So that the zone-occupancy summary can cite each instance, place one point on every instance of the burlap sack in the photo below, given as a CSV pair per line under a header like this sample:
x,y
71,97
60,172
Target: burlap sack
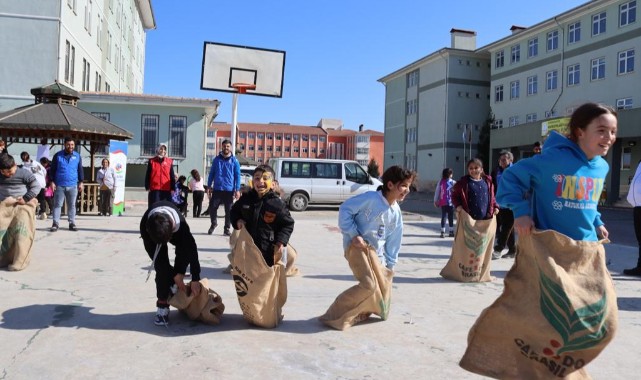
x,y
557,312
17,230
261,290
471,250
291,269
207,307
372,295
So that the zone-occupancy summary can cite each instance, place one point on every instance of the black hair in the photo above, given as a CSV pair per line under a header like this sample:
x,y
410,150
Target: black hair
x,y
225,141
396,174
182,179
44,160
6,161
264,169
68,138
24,156
160,227
195,175
447,172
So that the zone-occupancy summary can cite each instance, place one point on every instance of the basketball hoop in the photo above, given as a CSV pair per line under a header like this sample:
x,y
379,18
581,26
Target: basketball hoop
x,y
243,87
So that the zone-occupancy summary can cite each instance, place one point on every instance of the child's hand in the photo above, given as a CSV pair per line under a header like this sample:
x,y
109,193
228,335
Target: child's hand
x,y
178,280
240,224
436,204
358,242
602,232
523,225
195,287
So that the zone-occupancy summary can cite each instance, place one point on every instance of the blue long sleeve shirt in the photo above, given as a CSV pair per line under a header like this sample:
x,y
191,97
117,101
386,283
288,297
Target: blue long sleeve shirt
x,y
380,224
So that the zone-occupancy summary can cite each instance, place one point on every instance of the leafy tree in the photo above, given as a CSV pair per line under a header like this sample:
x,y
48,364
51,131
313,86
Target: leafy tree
x,y
483,147
373,169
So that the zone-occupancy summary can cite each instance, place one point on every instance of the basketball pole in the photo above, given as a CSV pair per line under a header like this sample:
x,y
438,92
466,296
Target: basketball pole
x,y
234,125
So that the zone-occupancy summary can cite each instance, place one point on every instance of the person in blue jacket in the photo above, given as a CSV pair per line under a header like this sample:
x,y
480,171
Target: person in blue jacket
x,y
560,188
223,185
66,180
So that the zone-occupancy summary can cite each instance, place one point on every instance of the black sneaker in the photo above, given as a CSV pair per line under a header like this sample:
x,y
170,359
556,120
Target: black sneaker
x,y
72,227
227,233
54,227
162,317
211,229
451,233
442,234
632,271
509,255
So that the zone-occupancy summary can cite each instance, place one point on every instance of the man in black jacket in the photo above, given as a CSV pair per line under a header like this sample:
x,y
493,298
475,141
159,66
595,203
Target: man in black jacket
x,y
163,223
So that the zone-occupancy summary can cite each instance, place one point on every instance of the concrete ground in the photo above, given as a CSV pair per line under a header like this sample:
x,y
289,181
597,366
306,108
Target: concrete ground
x,y
82,309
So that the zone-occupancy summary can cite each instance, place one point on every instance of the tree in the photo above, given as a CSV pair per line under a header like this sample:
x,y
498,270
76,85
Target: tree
x,y
483,147
373,169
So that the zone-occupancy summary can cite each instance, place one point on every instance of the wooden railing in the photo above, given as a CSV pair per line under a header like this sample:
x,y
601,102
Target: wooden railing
x,y
88,200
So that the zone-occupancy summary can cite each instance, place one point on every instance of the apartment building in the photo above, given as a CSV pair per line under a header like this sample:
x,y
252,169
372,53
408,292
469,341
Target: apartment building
x,y
435,108
540,74
87,45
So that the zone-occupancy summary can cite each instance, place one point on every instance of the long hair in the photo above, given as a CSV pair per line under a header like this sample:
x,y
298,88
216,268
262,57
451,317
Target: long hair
x,y
195,175
396,174
584,115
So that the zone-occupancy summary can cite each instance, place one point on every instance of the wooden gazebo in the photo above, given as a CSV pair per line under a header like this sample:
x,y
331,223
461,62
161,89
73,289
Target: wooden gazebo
x,y
53,117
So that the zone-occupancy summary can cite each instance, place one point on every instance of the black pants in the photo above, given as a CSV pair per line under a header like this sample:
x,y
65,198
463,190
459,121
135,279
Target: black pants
x,y
164,273
105,202
636,213
505,230
198,196
157,195
218,197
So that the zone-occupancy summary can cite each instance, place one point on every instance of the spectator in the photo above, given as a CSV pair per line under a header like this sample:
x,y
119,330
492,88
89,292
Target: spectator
x,y
46,163
179,196
106,179
443,199
67,176
160,179
197,188
505,217
224,185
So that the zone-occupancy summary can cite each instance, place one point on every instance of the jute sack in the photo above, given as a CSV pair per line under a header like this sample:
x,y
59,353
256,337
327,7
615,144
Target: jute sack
x,y
291,270
557,312
372,295
17,230
471,250
207,307
261,290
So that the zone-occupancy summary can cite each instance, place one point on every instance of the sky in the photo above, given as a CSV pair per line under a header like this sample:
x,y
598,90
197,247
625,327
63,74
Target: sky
x,y
336,51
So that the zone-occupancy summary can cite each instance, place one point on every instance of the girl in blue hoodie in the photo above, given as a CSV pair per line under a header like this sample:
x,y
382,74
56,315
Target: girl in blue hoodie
x,y
560,188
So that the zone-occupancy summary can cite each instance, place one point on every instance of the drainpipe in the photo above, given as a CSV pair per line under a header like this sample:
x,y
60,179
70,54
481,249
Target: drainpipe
x,y
562,43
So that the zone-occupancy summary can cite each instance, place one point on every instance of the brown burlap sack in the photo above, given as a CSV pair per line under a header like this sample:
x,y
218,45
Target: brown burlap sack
x,y
207,307
557,312
291,269
372,295
471,250
17,230
261,290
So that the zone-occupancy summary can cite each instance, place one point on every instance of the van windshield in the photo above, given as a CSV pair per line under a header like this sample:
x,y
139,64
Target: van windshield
x,y
355,173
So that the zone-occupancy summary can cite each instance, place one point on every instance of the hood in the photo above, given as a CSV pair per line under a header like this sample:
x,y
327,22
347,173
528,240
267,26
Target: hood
x,y
557,142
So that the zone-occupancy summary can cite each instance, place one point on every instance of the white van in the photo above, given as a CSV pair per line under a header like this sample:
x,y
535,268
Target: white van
x,y
310,180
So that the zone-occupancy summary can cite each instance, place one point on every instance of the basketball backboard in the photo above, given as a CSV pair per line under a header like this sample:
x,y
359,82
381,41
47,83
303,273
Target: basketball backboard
x,y
225,65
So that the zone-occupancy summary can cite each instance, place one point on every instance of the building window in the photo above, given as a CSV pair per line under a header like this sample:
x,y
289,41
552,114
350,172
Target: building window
x,y
514,89
574,32
102,115
86,74
532,85
626,61
514,121
260,136
67,59
530,118
533,47
515,54
412,79
287,149
598,69
177,136
99,33
498,93
278,148
260,147
574,74
296,149
251,135
410,136
314,138
88,9
242,135
279,136
321,139
598,23
304,150
304,137
270,136
210,134
551,80
553,40
313,150
269,148
96,86
107,87
149,135
296,137
500,59
288,137
626,159
627,13
411,107
624,104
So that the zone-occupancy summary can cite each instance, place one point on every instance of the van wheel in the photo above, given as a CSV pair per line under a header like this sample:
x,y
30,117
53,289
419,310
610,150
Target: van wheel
x,y
298,202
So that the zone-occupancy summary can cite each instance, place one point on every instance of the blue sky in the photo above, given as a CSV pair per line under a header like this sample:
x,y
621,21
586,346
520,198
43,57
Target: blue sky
x,y
335,50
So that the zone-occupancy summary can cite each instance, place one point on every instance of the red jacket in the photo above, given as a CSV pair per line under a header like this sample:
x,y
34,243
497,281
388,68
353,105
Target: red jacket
x,y
160,174
459,195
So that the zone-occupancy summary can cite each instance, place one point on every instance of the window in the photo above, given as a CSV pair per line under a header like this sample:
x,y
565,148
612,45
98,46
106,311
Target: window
x,y
411,107
533,47
287,149
149,135
313,150
574,74
327,170
498,123
304,137
498,93
88,9
99,33
260,136
288,137
551,79
242,135
321,139
102,115
269,148
530,118
598,24
251,135
553,40
278,148
598,69
177,136
624,104
279,136
210,134
515,55
86,74
412,79
305,150
260,147
109,42
296,169
295,149
296,137
626,61
72,65
514,89
314,138
67,59
532,85
270,136
251,147
626,159
355,173
107,87
410,136
574,32
627,13
500,59
514,121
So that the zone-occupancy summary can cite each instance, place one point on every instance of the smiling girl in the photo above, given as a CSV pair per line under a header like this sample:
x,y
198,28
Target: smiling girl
x,y
474,192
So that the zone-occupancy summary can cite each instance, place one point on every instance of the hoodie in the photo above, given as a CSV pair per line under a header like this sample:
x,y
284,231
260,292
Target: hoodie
x,y
559,189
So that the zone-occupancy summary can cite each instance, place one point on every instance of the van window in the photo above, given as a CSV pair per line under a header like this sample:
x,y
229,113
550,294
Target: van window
x,y
327,170
296,169
355,173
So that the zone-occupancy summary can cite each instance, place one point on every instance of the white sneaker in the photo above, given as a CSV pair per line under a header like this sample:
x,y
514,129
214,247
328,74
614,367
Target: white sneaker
x,y
162,316
496,255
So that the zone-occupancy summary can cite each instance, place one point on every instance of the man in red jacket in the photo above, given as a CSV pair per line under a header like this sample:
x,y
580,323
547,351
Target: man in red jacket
x,y
160,179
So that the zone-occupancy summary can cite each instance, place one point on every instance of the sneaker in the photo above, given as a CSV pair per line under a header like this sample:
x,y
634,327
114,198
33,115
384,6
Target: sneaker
x,y
442,234
632,271
227,233
54,227
228,269
496,255
211,229
42,216
451,233
72,227
509,255
162,316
